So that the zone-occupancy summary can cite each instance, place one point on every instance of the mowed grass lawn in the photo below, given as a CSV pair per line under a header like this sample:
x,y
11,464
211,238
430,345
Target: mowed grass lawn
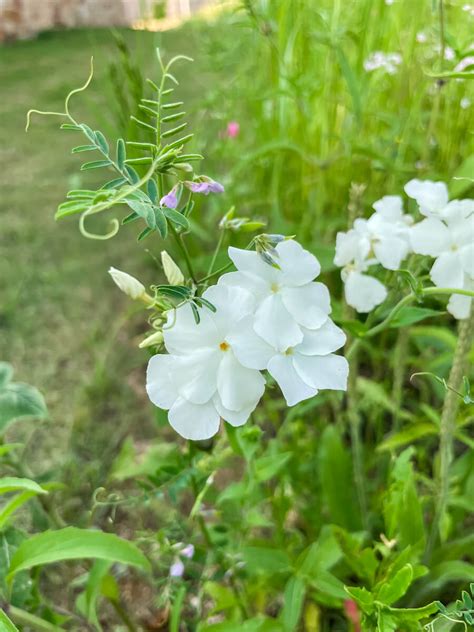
x,y
63,324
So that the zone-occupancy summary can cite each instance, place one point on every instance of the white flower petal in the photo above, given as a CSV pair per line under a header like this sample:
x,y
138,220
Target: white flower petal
x,y
390,251
447,270
250,262
347,247
458,210
160,385
276,325
249,348
466,256
255,285
460,306
233,417
294,389
430,237
194,421
297,265
432,197
390,207
323,372
308,304
238,387
231,303
363,292
183,335
328,338
196,375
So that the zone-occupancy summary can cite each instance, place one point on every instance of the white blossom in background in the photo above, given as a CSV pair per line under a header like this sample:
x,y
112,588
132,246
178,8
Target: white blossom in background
x,y
465,63
382,239
469,9
421,37
386,61
448,235
465,103
201,379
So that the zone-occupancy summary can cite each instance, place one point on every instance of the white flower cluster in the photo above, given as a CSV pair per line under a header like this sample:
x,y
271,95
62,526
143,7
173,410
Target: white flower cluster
x,y
386,61
389,235
382,239
267,317
447,234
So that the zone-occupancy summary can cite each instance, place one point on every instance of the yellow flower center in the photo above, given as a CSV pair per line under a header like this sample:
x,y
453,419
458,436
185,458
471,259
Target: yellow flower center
x,y
224,346
275,287
289,351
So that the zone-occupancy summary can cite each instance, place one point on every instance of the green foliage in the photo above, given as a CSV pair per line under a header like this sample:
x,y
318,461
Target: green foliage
x,y
18,400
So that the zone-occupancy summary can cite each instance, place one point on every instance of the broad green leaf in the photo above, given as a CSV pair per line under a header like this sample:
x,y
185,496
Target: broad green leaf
x,y
337,480
72,543
414,614
13,484
6,373
409,315
362,597
266,560
408,436
177,218
6,625
9,508
268,466
293,599
396,586
322,554
18,400
327,584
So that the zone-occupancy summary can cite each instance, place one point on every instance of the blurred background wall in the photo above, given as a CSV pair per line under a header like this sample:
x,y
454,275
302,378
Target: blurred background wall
x,y
21,19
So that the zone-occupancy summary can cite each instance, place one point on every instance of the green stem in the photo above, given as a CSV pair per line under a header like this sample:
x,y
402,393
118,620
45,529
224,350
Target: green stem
x,y
410,298
216,273
214,256
123,615
399,364
184,251
448,425
31,621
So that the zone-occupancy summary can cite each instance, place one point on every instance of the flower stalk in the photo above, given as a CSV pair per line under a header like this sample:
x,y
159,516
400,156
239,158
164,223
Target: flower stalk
x,y
448,424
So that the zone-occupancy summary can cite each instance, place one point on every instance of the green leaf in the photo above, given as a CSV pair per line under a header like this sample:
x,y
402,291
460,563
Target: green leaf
x,y
72,543
327,584
9,508
337,480
293,599
176,217
95,164
362,597
176,610
160,221
265,560
397,586
462,180
152,190
414,614
102,142
409,315
93,591
5,624
81,148
13,484
408,436
145,232
18,400
6,373
268,466
121,153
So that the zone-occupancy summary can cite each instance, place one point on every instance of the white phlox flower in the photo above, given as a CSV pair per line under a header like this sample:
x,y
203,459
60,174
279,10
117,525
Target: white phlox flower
x,y
386,61
448,235
382,239
431,197
201,380
300,371
274,318
287,299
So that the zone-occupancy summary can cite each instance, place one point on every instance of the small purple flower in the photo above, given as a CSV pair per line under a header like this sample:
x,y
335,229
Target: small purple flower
x,y
188,551
170,199
177,568
204,185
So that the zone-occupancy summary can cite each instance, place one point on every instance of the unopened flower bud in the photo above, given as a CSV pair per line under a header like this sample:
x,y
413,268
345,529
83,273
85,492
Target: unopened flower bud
x,y
172,272
127,283
152,340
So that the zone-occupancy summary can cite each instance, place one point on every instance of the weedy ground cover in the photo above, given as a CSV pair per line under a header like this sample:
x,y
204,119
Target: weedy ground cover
x,y
327,510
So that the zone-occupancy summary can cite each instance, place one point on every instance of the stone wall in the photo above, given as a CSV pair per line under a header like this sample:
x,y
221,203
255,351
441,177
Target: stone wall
x,y
25,18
